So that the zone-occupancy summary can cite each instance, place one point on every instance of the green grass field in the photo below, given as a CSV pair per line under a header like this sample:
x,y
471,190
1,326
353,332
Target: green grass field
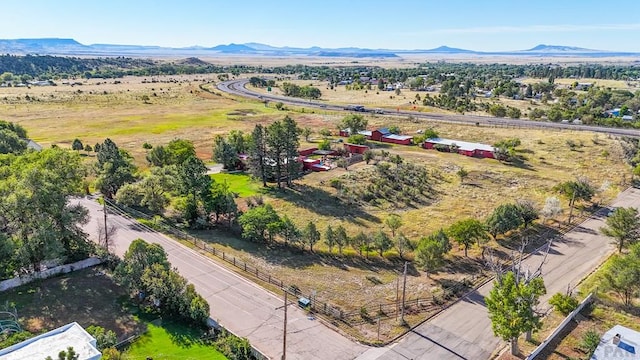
x,y
240,183
171,341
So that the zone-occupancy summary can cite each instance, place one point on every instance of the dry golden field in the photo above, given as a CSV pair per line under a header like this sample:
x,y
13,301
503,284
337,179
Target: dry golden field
x,y
134,111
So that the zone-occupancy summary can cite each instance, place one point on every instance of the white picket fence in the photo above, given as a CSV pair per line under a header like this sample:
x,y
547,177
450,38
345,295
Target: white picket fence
x,y
44,274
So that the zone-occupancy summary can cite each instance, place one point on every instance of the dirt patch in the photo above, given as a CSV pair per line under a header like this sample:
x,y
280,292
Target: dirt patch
x,y
89,297
242,112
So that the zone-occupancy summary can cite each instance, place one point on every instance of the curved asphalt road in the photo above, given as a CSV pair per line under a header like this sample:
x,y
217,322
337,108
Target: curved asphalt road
x,y
238,87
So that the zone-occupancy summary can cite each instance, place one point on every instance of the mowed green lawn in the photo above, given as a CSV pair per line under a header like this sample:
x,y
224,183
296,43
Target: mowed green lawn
x,y
171,341
240,183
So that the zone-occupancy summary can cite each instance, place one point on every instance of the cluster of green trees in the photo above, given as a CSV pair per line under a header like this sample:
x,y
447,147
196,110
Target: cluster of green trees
x,y
226,151
176,177
12,138
147,274
483,75
622,275
590,106
506,150
511,304
273,152
260,82
25,68
262,224
391,181
499,110
37,223
508,217
306,91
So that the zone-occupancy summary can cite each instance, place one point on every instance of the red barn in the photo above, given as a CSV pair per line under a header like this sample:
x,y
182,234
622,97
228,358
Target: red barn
x,y
376,135
355,148
397,139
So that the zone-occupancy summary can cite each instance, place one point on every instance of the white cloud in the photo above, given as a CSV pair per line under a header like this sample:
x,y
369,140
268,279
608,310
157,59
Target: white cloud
x,y
537,29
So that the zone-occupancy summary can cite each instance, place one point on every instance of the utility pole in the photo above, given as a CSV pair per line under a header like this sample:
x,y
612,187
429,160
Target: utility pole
x,y
106,232
397,296
404,288
284,333
573,200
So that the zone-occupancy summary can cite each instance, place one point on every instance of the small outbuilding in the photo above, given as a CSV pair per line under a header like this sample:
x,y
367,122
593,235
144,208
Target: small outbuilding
x,y
355,148
304,302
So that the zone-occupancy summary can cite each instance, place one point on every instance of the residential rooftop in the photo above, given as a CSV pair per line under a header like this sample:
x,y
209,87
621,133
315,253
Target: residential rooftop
x,y
52,343
619,343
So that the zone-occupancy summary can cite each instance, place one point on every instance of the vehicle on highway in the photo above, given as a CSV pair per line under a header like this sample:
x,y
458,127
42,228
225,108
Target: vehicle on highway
x,y
359,108
378,111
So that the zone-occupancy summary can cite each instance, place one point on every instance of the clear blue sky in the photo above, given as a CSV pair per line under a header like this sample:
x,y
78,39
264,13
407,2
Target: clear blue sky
x,y
393,24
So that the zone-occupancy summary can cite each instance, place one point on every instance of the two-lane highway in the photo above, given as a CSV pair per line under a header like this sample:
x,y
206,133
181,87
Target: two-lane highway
x,y
236,303
238,87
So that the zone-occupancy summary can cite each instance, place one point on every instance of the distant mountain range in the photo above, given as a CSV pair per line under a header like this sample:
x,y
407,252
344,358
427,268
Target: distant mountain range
x,y
70,47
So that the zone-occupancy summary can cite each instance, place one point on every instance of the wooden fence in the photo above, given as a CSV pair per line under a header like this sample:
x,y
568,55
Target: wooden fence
x,y
318,306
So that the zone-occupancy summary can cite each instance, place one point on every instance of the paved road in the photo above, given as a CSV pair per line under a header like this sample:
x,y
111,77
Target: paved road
x,y
464,331
237,304
238,87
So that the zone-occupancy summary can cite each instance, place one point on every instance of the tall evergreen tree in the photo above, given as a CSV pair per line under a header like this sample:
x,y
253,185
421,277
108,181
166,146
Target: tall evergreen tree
x,y
195,184
277,149
291,145
258,153
114,167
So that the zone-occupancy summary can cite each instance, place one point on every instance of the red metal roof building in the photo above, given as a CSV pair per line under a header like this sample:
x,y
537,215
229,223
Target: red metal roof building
x,y
463,147
398,139
355,148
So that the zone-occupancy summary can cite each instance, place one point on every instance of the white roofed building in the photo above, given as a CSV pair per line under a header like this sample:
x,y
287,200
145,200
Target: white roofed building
x,y
52,343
